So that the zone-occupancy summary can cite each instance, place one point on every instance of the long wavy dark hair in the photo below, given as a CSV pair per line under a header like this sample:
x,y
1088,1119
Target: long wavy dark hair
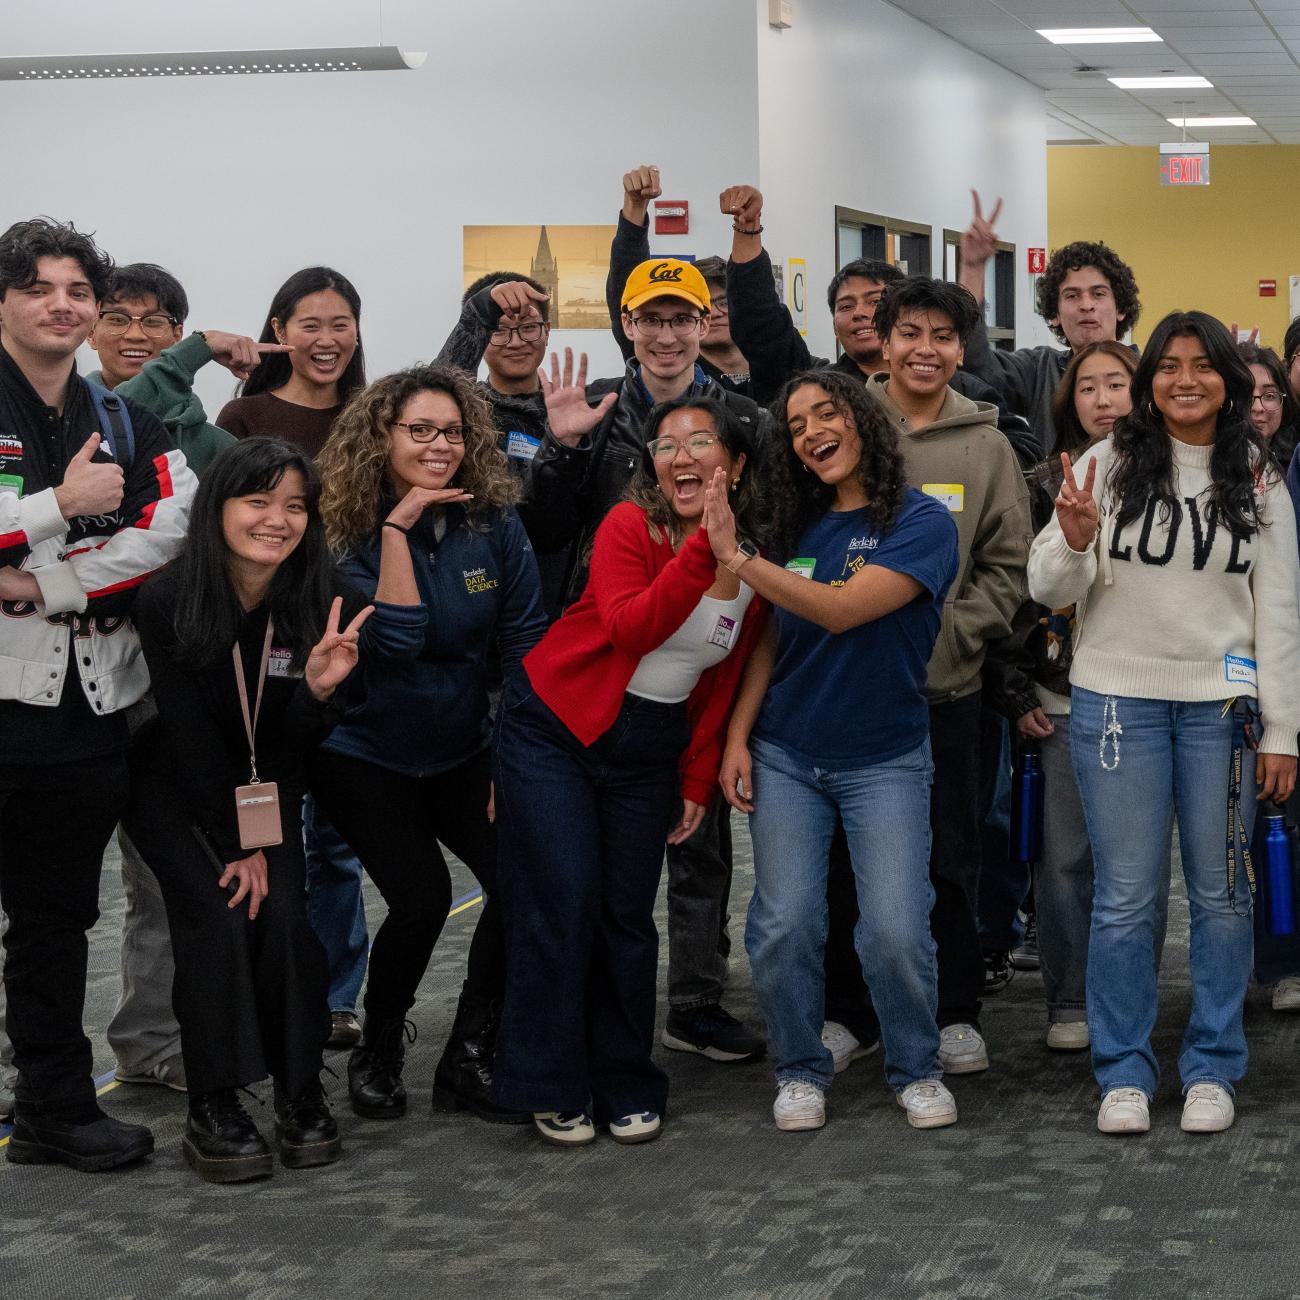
x,y
644,489
274,369
1282,444
794,496
208,612
1143,464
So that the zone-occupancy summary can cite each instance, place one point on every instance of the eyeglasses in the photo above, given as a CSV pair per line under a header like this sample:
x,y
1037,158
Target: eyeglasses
x,y
1270,399
682,326
157,324
421,431
529,332
718,303
667,448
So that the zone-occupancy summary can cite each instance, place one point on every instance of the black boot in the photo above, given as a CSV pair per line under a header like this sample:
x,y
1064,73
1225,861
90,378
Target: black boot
x,y
463,1079
221,1143
375,1069
305,1131
90,1144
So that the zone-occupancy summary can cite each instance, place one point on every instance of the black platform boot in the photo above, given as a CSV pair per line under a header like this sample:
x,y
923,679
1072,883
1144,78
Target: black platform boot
x,y
305,1131
375,1069
463,1079
221,1143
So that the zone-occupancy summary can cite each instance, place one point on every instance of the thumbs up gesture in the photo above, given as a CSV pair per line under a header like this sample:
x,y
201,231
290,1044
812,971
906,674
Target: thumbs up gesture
x,y
90,487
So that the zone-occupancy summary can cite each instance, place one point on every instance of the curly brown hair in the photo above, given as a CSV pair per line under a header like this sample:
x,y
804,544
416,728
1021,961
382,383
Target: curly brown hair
x,y
354,462
794,496
1074,257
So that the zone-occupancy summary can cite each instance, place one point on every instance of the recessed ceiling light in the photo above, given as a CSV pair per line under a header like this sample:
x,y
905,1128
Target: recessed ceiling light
x,y
1098,35
1161,83
1210,121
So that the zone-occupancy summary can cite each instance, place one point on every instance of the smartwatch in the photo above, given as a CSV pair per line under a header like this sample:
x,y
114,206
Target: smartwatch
x,y
744,551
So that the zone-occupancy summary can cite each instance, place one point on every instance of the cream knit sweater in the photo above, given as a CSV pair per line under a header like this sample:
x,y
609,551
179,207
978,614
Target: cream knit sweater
x,y
1179,609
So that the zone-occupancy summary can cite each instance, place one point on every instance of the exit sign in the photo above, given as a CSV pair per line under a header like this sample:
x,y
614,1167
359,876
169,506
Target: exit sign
x,y
1187,163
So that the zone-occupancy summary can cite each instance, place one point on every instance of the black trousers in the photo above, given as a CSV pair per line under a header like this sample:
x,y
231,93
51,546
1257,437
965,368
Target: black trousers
x,y
954,874
394,824
55,822
251,997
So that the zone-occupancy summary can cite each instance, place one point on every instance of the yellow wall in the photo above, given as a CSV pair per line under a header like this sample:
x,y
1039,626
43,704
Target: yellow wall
x,y
1204,247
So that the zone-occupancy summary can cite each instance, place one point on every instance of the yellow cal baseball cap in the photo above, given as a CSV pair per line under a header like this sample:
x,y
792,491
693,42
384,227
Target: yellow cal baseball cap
x,y
665,277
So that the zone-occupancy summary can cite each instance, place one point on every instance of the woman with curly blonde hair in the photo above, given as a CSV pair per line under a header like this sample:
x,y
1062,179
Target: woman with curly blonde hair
x,y
417,501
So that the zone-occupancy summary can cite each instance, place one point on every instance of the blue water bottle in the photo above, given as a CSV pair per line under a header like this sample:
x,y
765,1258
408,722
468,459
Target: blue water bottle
x,y
1027,808
1277,879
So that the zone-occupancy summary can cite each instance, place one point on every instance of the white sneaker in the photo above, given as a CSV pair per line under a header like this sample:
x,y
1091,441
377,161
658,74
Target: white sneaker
x,y
1208,1109
565,1128
643,1126
844,1046
1067,1035
799,1106
1286,993
1124,1110
962,1050
928,1104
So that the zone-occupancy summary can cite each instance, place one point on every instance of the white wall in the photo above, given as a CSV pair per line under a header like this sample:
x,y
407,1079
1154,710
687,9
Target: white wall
x,y
863,106
524,112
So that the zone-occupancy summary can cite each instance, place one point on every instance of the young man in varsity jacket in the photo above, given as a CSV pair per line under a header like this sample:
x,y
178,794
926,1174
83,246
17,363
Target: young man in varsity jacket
x,y
86,514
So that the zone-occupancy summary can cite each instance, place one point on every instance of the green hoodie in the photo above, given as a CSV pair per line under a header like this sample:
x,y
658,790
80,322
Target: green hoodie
x,y
165,386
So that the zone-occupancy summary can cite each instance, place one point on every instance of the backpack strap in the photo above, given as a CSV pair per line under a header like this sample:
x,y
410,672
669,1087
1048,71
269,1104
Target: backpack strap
x,y
114,424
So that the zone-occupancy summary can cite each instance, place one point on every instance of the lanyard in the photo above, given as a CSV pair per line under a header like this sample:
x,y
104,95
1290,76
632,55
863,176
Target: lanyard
x,y
250,723
1237,836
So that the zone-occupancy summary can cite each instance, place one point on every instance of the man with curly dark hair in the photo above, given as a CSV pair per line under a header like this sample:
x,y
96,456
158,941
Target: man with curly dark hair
x,y
1086,294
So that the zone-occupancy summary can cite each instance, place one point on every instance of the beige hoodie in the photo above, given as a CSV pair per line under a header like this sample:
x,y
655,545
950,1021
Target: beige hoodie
x,y
964,460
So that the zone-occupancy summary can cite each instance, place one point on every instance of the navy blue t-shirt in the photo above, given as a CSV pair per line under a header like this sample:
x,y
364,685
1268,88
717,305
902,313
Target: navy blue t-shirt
x,y
852,699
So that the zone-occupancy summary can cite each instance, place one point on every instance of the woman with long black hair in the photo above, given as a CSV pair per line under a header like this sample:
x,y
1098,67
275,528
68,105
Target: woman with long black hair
x,y
832,724
1273,409
247,636
1177,540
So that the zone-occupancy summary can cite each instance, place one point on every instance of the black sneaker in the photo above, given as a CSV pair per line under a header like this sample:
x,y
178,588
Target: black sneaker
x,y
998,971
714,1033
1025,957
104,1143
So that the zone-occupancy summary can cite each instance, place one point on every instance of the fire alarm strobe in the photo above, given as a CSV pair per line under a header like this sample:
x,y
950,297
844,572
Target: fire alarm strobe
x,y
672,216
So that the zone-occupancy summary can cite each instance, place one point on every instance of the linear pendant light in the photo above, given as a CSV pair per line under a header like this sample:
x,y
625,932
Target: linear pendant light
x,y
209,63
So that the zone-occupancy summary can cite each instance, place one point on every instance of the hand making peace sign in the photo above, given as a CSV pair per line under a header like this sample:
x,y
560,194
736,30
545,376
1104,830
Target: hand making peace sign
x,y
335,655
1076,511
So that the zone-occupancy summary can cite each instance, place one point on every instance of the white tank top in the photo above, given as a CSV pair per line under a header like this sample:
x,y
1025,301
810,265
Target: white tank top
x,y
668,674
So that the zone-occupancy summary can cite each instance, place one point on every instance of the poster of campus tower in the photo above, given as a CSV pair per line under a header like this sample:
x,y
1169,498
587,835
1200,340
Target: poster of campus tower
x,y
570,261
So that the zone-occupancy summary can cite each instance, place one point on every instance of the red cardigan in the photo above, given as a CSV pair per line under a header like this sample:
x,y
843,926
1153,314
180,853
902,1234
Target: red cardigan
x,y
639,593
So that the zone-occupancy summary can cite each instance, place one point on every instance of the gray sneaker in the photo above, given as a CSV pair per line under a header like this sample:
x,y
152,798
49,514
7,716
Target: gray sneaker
x,y
166,1074
962,1050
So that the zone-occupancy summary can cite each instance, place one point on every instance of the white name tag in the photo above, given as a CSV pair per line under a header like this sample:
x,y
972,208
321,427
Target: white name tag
x,y
280,663
519,446
1236,668
724,632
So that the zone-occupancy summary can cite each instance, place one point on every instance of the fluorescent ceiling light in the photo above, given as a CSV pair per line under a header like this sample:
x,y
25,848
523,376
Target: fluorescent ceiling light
x,y
1161,83
209,63
1098,35
1210,121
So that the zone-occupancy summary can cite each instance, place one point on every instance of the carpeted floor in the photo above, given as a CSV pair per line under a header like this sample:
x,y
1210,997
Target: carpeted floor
x,y
1022,1198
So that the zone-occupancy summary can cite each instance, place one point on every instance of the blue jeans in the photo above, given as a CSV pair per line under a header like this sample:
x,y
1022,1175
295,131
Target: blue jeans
x,y
886,814
335,906
1173,760
581,833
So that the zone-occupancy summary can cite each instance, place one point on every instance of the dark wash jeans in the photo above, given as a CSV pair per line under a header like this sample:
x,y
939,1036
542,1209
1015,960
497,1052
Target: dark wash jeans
x,y
699,889
954,873
55,822
581,833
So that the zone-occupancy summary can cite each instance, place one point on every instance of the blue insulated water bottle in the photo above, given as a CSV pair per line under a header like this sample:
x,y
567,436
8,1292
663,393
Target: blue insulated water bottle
x,y
1277,885
1027,808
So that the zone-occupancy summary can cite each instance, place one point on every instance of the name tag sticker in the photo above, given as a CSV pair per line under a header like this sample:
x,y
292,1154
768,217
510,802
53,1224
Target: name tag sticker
x,y
519,446
1236,668
803,567
11,483
724,632
953,495
280,663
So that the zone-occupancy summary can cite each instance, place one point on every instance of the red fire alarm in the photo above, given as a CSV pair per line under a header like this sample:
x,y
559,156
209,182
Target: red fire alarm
x,y
1268,288
672,216
1037,260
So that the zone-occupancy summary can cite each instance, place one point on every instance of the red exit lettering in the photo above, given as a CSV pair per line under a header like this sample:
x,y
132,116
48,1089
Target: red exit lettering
x,y
1185,171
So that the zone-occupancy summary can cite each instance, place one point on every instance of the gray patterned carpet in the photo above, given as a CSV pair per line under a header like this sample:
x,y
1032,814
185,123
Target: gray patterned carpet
x,y
1022,1198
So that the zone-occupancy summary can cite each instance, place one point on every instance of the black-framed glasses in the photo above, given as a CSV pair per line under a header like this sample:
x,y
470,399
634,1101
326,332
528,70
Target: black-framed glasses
x,y
529,332
423,431
156,324
666,448
682,325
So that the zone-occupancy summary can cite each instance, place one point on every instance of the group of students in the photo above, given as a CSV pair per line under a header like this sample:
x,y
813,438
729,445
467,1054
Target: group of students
x,y
561,628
